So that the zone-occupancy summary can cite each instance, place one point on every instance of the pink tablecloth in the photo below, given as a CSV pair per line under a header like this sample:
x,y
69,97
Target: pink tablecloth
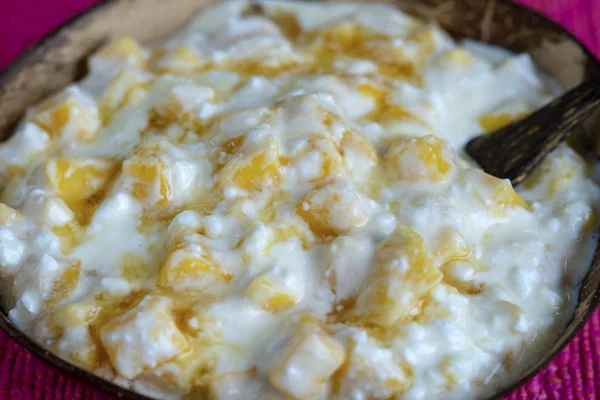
x,y
574,374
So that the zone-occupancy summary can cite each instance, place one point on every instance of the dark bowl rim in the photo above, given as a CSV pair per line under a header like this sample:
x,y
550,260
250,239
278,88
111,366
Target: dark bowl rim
x,y
55,36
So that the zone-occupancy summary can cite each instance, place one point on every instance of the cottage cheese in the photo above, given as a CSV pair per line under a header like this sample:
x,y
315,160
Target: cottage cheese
x,y
275,203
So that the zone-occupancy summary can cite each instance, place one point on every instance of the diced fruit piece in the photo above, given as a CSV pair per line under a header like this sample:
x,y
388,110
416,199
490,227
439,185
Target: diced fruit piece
x,y
458,57
425,37
162,173
359,156
496,194
8,215
177,376
332,163
333,210
190,265
143,338
71,115
123,50
276,290
85,352
505,197
75,179
47,210
151,177
404,274
182,60
306,363
287,22
425,158
494,121
234,386
354,145
558,173
178,103
73,322
44,281
319,159
65,284
76,314
383,110
349,261
183,227
12,249
294,230
253,168
24,147
450,245
125,88
461,274
380,377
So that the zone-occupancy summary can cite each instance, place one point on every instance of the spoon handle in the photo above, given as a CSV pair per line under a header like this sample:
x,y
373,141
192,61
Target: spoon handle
x,y
514,151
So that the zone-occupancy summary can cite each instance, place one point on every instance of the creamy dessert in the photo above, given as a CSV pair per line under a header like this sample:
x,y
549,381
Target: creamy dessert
x,y
275,204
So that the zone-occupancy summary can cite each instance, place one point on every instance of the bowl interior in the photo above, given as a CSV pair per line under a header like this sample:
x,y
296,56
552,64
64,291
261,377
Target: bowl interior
x,y
60,59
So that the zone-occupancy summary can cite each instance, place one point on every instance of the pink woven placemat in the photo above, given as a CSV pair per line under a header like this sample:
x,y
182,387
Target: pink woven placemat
x,y
574,374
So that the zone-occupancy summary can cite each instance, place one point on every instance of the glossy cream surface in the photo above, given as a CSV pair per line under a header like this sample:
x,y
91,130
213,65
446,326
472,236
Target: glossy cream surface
x,y
275,204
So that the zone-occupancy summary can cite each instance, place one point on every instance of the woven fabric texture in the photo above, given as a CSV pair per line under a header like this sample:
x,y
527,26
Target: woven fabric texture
x,y
574,373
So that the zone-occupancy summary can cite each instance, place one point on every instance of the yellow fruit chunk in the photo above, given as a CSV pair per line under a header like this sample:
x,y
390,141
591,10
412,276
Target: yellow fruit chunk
x,y
558,173
143,338
151,178
327,154
81,182
450,245
182,60
591,222
349,260
71,115
253,169
360,158
346,37
65,284
496,194
48,210
75,179
287,22
404,274
381,377
424,36
505,197
314,356
177,106
272,292
77,314
377,94
8,215
291,231
459,56
354,145
333,210
78,317
492,122
238,385
383,110
190,265
460,275
425,158
126,88
123,50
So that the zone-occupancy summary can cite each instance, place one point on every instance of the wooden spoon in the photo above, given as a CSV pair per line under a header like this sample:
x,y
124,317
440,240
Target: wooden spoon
x,y
515,150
